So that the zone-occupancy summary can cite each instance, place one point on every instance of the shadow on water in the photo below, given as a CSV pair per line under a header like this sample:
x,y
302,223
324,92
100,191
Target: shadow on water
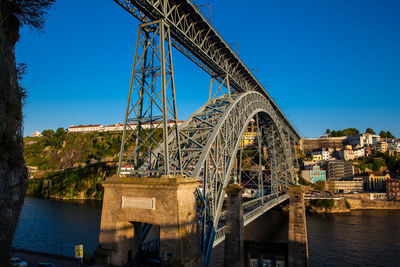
x,y
370,238
271,226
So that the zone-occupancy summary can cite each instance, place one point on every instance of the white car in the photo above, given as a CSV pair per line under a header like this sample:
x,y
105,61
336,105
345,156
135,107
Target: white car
x,y
17,262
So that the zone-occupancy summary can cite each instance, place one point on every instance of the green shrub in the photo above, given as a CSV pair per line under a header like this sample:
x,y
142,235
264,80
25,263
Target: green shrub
x,y
323,203
347,204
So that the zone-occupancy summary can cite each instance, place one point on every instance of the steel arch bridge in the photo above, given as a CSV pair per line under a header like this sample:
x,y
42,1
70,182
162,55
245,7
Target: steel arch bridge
x,y
214,145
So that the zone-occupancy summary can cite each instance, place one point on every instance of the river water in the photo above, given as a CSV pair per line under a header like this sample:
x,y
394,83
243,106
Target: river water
x,y
362,238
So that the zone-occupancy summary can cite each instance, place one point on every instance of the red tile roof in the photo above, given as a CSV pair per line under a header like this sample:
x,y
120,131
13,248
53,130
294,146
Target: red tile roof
x,y
85,126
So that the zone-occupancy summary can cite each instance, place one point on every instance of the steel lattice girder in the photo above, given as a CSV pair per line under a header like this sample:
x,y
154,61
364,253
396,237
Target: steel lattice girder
x,y
210,138
196,38
151,103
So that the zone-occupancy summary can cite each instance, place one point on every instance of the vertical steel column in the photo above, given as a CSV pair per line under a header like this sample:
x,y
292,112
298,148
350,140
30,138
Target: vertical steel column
x,y
240,161
141,92
260,175
123,141
164,97
274,165
153,109
295,153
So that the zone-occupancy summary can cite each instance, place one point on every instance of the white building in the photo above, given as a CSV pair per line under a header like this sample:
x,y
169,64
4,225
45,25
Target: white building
x,y
346,154
394,146
359,152
85,128
364,139
321,155
326,155
36,134
112,127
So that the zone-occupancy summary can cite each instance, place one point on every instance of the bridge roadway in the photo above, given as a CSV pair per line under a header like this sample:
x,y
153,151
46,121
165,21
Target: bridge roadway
x,y
196,38
252,210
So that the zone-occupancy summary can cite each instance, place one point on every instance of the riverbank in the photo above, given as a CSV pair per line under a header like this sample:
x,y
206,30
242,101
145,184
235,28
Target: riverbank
x,y
33,258
343,205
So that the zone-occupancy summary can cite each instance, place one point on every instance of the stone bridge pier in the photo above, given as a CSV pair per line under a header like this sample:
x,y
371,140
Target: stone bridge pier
x,y
168,202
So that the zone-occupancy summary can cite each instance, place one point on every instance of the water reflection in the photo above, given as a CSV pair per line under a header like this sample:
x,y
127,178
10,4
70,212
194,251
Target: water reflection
x,y
362,238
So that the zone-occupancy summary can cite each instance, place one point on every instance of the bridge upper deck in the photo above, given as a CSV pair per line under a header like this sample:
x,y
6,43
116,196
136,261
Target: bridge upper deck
x,y
196,38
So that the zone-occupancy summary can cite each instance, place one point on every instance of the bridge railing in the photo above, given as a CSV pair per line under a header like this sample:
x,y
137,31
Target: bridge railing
x,y
270,201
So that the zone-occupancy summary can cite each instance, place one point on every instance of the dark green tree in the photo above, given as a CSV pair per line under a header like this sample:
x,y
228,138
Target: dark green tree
x,y
370,131
13,173
345,132
48,133
389,135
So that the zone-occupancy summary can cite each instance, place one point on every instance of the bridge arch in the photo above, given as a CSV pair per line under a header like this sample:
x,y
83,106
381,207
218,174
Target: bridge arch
x,y
215,164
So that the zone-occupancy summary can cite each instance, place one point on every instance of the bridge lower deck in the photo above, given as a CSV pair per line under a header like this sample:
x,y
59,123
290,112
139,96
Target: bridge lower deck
x,y
252,210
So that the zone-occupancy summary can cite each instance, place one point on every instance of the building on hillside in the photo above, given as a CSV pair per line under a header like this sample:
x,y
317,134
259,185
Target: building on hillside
x,y
249,138
31,169
313,175
346,154
85,128
323,154
326,154
36,134
394,146
345,186
376,182
364,139
368,151
338,170
381,147
307,164
316,156
359,152
314,144
393,189
113,127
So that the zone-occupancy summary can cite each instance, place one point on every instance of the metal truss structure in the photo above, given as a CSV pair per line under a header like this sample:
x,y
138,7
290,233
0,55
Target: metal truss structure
x,y
208,145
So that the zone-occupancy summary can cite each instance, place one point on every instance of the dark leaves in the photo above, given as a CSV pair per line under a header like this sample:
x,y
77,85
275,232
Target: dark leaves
x,y
15,13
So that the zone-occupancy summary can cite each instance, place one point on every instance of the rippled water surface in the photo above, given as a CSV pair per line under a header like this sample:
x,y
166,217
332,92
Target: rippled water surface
x,y
362,238
57,226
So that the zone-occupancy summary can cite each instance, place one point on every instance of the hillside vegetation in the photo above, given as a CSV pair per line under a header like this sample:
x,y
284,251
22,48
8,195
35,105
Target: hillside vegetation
x,y
71,165
72,183
59,150
378,162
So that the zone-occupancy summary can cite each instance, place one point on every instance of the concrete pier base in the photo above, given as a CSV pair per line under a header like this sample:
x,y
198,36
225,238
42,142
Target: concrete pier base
x,y
298,248
234,230
168,201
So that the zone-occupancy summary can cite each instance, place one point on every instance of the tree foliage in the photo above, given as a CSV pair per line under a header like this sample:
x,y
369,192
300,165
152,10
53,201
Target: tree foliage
x,y
48,133
370,131
345,132
72,183
387,134
17,13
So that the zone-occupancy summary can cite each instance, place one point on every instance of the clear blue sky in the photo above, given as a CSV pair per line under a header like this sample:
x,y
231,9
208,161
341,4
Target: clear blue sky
x,y
330,64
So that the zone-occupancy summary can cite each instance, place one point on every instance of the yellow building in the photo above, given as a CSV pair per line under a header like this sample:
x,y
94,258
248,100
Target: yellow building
x,y
316,157
376,182
248,138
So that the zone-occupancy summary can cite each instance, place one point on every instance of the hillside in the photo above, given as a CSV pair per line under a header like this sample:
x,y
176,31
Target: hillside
x,y
71,165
